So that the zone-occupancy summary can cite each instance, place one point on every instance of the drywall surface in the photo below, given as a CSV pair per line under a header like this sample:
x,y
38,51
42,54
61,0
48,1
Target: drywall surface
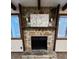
x,y
63,12
61,46
14,11
16,46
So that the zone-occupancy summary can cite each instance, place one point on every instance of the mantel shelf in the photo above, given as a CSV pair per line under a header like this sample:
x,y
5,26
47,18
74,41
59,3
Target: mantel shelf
x,y
45,28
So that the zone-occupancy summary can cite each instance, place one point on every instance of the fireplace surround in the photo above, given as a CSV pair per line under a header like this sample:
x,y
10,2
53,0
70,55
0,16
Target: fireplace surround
x,y
39,44
42,40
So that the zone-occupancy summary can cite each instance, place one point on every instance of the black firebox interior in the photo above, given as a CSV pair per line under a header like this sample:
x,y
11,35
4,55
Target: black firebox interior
x,y
39,42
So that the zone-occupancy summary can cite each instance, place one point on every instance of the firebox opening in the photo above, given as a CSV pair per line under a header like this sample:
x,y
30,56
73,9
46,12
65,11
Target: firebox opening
x,y
39,42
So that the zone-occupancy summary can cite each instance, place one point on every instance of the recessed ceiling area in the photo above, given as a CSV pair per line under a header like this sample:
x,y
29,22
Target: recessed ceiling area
x,y
44,3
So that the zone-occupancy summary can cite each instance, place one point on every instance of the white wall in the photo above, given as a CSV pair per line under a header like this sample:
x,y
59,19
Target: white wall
x,y
16,46
63,12
13,11
61,46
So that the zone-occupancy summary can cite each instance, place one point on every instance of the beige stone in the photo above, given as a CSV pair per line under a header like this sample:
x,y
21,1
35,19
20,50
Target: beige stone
x,y
39,56
32,33
47,33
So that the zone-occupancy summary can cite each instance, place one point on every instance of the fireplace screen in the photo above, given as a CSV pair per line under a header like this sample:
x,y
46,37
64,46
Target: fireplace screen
x,y
39,42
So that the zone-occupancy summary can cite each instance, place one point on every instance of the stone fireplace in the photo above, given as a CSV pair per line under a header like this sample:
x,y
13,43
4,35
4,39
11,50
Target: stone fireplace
x,y
42,40
39,44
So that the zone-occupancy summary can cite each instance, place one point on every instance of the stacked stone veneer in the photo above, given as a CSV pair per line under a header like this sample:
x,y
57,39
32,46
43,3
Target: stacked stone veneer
x,y
49,56
29,33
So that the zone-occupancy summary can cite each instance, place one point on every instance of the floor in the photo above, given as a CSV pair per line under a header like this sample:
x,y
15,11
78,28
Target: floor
x,y
60,55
